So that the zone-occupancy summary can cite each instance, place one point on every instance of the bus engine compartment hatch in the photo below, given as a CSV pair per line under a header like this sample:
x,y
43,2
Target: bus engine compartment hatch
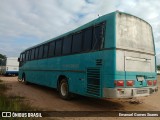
x,y
93,81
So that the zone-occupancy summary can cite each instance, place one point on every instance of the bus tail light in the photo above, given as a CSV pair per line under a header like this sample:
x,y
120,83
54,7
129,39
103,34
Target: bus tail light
x,y
155,82
119,83
130,82
149,82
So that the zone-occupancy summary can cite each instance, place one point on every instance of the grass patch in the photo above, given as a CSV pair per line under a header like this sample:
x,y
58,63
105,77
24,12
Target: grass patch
x,y
3,88
13,103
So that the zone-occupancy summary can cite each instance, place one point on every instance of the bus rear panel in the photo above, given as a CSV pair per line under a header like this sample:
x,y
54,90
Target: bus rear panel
x,y
135,72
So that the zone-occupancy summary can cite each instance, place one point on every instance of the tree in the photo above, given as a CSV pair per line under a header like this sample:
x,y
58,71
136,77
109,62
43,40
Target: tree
x,y
158,67
2,56
2,59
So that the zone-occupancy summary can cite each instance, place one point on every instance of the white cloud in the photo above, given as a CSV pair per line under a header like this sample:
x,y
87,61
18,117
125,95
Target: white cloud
x,y
40,20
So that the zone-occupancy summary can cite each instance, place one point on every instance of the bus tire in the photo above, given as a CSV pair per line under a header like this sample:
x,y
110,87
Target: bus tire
x,y
19,80
64,89
24,79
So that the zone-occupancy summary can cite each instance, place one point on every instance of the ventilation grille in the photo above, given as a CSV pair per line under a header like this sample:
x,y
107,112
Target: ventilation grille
x,y
99,62
93,81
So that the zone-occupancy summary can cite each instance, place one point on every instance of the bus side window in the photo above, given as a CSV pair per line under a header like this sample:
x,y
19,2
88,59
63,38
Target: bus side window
x,y
67,45
30,51
40,54
87,40
77,42
27,55
32,54
58,49
51,49
23,57
97,37
45,52
36,53
20,61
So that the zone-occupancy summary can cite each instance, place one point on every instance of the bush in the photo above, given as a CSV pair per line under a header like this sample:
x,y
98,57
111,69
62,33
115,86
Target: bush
x,y
13,103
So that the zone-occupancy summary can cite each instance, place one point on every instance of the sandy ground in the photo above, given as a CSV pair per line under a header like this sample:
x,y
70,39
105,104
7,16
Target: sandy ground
x,y
48,99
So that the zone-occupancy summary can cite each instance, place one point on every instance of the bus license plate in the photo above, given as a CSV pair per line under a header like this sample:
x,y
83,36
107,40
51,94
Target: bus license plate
x,y
142,91
140,78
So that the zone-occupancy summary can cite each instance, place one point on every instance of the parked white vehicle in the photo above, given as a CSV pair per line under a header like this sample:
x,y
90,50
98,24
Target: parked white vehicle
x,y
11,66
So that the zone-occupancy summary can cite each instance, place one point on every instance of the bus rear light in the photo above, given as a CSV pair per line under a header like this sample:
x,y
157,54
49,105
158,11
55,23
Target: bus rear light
x,y
130,82
119,83
154,82
149,82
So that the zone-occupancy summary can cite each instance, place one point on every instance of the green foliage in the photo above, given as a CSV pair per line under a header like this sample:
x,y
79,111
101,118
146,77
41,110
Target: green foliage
x,y
3,87
158,67
2,60
13,103
2,56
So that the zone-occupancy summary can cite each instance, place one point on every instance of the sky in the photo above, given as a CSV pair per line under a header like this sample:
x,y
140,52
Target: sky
x,y
24,23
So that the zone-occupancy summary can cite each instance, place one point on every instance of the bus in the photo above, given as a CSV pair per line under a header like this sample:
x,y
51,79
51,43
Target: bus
x,y
10,66
112,56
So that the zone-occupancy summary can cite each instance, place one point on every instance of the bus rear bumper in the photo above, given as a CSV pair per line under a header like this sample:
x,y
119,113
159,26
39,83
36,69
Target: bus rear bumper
x,y
128,92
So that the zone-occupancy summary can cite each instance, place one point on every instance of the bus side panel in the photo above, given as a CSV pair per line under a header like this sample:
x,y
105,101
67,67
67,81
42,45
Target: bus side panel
x,y
73,69
109,68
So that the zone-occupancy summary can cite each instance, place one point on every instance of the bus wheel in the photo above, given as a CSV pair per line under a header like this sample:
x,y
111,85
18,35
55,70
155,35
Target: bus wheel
x,y
24,79
19,80
64,89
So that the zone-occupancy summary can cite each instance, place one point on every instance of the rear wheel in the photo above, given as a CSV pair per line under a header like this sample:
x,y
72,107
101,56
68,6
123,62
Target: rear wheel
x,y
64,89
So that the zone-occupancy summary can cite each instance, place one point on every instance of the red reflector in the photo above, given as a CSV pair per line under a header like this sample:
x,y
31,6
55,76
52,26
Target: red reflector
x,y
154,82
149,82
119,89
119,83
130,83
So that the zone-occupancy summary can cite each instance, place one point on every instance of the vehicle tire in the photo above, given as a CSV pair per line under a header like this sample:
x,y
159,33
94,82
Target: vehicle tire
x,y
19,80
64,90
24,79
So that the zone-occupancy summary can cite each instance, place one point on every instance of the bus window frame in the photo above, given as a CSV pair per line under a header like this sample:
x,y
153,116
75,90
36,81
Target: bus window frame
x,y
82,32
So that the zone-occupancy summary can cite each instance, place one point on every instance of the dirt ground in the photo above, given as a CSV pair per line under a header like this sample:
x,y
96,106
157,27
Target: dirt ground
x,y
48,99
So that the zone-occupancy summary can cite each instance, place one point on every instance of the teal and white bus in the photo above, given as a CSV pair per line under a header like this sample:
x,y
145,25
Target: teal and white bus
x,y
112,56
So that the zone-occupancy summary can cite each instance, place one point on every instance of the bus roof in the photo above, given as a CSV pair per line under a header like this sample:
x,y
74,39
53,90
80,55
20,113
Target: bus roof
x,y
93,22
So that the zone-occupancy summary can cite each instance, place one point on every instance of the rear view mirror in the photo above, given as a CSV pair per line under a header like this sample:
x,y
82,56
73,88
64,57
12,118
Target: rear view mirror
x,y
18,59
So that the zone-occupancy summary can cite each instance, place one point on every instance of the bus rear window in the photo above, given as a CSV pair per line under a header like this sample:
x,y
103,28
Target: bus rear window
x,y
134,34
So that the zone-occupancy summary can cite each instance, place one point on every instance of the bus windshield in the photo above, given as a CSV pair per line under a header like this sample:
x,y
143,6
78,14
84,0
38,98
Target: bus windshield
x,y
134,33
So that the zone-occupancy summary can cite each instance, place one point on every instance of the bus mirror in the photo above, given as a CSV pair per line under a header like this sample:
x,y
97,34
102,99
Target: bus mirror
x,y
18,59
